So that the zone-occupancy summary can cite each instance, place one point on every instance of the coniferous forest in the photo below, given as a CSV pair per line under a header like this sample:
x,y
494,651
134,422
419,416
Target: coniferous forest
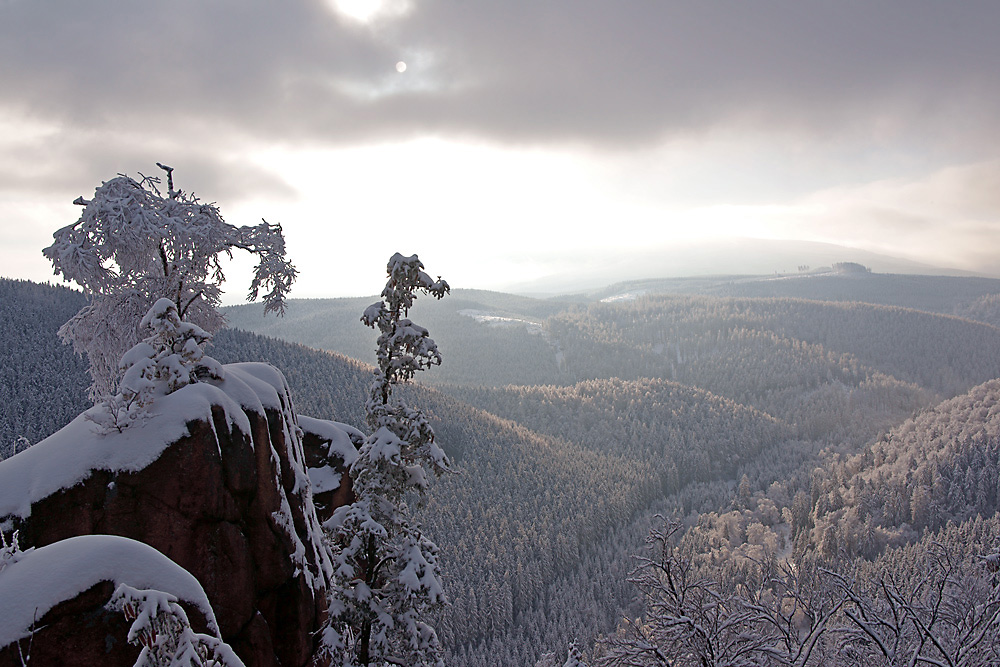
x,y
729,471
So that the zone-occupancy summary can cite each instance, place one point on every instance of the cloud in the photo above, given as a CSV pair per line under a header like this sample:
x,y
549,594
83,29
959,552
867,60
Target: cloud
x,y
51,160
584,71
652,109
948,218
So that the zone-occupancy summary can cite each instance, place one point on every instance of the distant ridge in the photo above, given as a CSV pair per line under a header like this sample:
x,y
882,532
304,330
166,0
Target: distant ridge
x,y
740,256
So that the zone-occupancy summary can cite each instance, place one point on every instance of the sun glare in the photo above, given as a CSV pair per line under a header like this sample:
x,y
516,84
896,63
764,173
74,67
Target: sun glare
x,y
368,11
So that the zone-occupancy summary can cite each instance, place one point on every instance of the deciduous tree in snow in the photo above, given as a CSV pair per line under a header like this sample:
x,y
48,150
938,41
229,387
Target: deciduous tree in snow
x,y
945,615
134,245
387,576
772,614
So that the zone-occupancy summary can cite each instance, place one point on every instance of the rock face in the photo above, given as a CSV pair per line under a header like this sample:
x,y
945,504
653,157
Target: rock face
x,y
230,502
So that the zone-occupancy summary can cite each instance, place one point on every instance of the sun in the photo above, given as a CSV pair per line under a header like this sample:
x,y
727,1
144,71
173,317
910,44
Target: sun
x,y
369,11
359,10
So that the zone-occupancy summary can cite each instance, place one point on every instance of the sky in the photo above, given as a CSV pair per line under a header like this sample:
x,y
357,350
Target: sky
x,y
507,141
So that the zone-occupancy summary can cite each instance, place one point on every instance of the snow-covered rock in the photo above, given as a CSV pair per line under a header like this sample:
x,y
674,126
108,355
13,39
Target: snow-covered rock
x,y
216,479
54,600
331,448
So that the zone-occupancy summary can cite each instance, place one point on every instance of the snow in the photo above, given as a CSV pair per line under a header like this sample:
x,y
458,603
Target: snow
x,y
325,479
328,477
625,296
69,456
44,577
255,386
384,445
495,320
337,434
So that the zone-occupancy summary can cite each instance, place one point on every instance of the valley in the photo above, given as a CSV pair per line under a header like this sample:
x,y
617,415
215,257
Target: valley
x,y
849,417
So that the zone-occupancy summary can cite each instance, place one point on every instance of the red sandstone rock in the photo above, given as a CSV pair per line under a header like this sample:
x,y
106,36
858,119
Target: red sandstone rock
x,y
229,503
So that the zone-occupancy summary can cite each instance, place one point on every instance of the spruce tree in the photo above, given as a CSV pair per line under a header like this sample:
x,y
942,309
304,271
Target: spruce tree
x,y
387,576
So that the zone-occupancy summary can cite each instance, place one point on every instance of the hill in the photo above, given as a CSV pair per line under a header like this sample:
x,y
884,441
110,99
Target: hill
x,y
745,256
772,425
43,383
478,331
949,295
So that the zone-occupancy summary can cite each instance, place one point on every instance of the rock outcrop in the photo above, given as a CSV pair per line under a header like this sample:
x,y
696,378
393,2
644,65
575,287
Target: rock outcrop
x,y
55,601
216,480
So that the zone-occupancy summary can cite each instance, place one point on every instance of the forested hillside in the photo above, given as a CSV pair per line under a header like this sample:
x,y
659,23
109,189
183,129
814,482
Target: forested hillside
x,y
481,332
689,335
43,383
521,511
683,434
937,294
844,434
937,468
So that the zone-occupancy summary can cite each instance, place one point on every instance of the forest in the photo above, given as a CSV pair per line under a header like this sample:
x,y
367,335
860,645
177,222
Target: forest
x,y
803,459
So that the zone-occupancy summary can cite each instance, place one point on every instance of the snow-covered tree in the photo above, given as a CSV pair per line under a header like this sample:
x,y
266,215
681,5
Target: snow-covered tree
x,y
574,658
387,576
169,358
134,245
10,551
162,628
771,614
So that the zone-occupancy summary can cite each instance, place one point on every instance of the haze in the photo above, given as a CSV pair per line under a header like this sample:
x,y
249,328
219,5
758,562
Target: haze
x,y
506,142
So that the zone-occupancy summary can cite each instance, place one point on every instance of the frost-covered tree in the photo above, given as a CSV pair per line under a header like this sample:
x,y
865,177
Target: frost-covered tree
x,y
169,358
771,613
387,577
134,245
574,658
945,611
10,551
162,628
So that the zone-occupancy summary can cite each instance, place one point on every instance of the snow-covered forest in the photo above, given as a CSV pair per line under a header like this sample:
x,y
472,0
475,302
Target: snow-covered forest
x,y
856,439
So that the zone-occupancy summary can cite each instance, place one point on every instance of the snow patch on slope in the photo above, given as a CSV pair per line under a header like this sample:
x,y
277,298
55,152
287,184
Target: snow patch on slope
x,y
495,320
69,455
625,296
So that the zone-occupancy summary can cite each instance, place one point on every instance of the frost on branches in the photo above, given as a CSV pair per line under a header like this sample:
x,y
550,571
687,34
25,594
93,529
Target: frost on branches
x,y
162,628
574,658
132,246
168,359
387,576
10,552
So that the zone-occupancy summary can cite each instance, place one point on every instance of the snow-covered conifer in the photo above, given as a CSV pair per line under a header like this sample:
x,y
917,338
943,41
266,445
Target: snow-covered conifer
x,y
169,358
574,657
132,246
387,576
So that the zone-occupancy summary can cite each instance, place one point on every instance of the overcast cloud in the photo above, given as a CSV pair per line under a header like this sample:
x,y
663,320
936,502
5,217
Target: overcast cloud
x,y
783,101
582,71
